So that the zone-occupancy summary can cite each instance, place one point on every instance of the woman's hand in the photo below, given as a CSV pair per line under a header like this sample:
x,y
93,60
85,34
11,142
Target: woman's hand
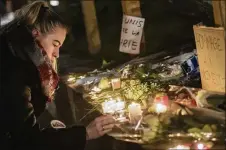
x,y
99,127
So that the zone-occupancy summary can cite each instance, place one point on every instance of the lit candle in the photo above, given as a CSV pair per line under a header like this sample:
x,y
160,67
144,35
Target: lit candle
x,y
135,112
201,146
161,98
71,79
116,83
120,105
109,106
160,108
120,111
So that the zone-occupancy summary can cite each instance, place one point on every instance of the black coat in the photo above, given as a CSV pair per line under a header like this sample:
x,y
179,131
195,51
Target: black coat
x,y
22,99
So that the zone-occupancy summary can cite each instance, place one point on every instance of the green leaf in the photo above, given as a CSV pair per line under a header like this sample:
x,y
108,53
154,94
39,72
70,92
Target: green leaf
x,y
214,127
194,130
104,62
207,129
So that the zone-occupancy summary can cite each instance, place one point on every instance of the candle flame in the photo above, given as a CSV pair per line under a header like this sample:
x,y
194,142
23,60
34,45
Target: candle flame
x,y
200,146
160,108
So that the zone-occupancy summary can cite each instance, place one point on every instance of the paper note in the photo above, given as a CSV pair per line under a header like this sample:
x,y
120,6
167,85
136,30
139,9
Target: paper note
x,y
131,33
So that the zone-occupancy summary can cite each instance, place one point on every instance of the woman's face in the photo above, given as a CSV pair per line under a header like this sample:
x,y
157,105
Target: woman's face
x,y
51,42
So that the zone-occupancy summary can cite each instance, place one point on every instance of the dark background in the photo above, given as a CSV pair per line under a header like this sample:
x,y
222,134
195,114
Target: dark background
x,y
168,25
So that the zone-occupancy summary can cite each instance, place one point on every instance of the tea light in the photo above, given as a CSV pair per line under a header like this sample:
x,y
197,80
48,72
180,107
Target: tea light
x,y
113,106
135,109
135,112
160,108
71,79
120,105
109,106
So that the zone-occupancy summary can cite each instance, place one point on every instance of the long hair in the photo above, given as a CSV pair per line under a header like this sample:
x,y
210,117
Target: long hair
x,y
40,16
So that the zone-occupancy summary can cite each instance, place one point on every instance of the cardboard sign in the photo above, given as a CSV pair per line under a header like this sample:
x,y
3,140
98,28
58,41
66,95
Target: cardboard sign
x,y
131,33
210,44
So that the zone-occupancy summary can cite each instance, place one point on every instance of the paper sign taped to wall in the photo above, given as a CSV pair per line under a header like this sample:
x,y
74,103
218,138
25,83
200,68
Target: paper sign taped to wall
x,y
131,34
210,44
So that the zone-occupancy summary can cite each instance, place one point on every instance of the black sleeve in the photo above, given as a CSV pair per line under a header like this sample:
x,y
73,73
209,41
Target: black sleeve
x,y
20,120
68,138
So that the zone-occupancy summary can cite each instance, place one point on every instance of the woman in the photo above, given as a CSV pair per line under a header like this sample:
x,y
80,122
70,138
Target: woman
x,y
29,44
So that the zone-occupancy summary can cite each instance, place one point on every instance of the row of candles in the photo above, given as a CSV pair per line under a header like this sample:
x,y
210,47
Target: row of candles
x,y
199,146
117,106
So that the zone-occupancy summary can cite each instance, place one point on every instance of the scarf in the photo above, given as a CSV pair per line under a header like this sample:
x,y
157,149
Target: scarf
x,y
48,76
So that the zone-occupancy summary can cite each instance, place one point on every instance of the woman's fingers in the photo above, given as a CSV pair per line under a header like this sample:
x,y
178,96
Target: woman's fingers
x,y
104,120
100,126
108,121
106,131
107,127
104,124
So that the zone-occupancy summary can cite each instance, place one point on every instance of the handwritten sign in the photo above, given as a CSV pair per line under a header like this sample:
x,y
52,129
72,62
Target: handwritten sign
x,y
131,33
210,44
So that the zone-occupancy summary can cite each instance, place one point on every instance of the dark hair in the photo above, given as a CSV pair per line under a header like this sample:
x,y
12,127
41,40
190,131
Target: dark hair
x,y
40,16
2,8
